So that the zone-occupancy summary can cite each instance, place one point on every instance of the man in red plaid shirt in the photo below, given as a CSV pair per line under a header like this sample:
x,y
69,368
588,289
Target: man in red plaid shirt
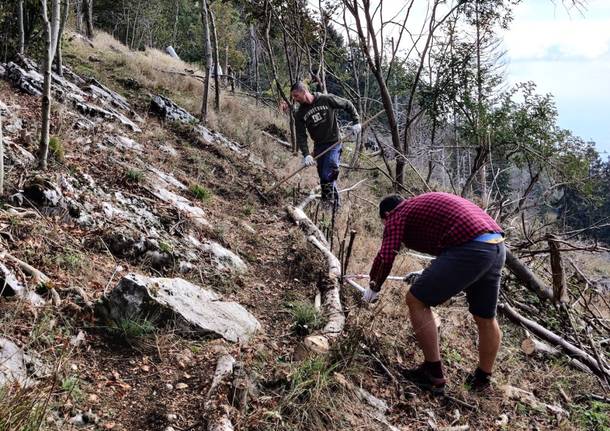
x,y
469,246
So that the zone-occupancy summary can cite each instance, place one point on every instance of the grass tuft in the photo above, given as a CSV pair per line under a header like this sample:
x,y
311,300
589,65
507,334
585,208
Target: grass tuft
x,y
201,192
57,149
306,317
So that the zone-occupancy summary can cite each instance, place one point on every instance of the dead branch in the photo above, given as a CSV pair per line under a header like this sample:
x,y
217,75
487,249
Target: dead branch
x,y
38,276
527,277
555,339
215,421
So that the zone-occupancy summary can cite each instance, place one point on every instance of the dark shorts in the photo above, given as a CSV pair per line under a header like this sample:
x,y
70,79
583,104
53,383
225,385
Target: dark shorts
x,y
475,267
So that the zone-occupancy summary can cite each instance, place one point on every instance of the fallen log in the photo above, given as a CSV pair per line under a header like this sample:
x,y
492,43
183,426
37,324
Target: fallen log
x,y
531,346
555,339
276,139
215,414
527,277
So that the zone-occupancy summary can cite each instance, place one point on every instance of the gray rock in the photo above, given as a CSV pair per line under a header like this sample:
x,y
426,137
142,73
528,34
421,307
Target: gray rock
x,y
199,309
10,286
15,365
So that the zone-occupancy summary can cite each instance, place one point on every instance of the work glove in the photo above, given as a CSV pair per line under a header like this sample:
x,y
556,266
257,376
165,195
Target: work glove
x,y
369,295
308,160
412,276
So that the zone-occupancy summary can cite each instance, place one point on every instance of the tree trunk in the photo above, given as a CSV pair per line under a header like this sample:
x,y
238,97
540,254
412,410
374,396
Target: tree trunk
x,y
88,18
62,24
560,290
79,16
51,33
1,158
207,55
21,29
175,31
527,277
254,60
216,62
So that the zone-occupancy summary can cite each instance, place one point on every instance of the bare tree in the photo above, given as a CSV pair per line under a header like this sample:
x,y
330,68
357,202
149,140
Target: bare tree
x,y
88,14
21,29
216,62
78,12
52,33
62,24
207,55
1,157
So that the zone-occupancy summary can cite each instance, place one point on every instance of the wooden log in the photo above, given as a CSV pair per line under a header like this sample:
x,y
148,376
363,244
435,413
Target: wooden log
x,y
309,228
531,346
554,339
276,139
215,414
560,289
527,277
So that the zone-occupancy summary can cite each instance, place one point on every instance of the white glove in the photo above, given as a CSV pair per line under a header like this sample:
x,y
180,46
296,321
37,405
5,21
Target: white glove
x,y
412,276
369,295
308,161
356,128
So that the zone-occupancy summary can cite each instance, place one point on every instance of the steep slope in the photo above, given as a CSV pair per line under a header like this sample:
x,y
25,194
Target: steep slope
x,y
173,199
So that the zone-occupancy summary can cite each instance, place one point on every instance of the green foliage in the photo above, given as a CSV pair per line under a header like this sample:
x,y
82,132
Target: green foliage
x,y
57,149
132,330
165,247
201,192
22,409
134,176
71,385
70,261
306,317
594,417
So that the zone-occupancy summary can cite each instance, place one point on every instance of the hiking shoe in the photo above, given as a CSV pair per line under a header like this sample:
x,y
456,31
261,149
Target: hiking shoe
x,y
479,381
424,379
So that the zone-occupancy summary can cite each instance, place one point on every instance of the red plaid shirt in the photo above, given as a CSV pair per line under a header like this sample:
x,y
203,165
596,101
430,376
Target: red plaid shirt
x,y
428,223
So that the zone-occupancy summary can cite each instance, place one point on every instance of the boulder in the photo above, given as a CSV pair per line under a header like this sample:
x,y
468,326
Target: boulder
x,y
198,309
14,364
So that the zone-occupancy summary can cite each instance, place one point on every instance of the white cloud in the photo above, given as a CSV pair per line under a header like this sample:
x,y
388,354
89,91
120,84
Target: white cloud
x,y
548,31
566,54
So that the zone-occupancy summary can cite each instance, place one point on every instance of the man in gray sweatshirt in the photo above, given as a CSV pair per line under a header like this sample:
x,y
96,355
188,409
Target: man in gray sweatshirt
x,y
317,116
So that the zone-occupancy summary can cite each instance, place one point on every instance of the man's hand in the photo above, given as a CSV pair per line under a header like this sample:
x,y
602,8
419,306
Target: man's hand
x,y
412,276
352,131
369,295
308,160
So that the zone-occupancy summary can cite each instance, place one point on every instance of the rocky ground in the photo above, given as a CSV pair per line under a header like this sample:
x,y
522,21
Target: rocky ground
x,y
152,251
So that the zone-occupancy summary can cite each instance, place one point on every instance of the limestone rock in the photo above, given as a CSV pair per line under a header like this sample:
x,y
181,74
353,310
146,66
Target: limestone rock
x,y
15,365
200,309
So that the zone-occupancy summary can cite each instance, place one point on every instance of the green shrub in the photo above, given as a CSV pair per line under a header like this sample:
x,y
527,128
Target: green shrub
x,y
306,317
201,193
57,149
134,176
132,330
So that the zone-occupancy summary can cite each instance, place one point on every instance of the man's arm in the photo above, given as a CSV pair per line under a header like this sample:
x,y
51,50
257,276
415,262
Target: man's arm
x,y
301,133
341,103
390,246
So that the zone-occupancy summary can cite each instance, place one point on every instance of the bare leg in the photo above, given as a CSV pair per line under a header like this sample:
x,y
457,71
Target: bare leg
x,y
490,336
424,327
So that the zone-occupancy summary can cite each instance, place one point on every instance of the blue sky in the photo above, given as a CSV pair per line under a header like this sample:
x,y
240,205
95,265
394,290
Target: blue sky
x,y
566,53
